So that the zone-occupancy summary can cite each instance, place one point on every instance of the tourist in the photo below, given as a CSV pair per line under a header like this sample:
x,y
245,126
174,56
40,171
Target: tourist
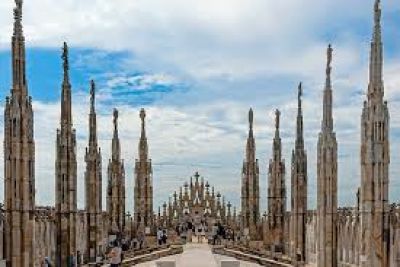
x,y
141,239
159,236
115,255
164,237
214,233
46,262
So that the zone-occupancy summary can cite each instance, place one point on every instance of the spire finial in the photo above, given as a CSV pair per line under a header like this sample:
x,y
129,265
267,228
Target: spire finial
x,y
142,114
115,116
277,119
328,67
92,94
65,61
142,117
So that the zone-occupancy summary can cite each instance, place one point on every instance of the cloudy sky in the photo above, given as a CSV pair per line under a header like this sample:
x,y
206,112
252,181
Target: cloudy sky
x,y
197,67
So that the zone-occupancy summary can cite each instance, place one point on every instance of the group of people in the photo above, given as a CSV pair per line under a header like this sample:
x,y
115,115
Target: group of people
x,y
187,230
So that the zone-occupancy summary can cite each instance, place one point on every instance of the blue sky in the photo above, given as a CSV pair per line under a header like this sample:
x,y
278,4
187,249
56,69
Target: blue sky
x,y
197,67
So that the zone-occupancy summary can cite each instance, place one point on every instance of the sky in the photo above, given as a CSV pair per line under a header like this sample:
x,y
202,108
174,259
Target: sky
x,y
197,67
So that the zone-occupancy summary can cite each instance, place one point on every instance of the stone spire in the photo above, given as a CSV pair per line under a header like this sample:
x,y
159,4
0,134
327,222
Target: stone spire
x,y
250,197
19,158
327,180
375,160
298,189
93,185
116,185
66,175
143,202
276,192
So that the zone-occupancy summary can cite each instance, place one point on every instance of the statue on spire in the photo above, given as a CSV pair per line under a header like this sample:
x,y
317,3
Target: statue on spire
x,y
377,12
277,118
65,60
92,93
251,118
115,115
329,61
142,115
300,91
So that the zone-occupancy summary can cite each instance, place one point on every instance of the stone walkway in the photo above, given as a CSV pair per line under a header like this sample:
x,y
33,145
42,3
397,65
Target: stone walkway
x,y
197,255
